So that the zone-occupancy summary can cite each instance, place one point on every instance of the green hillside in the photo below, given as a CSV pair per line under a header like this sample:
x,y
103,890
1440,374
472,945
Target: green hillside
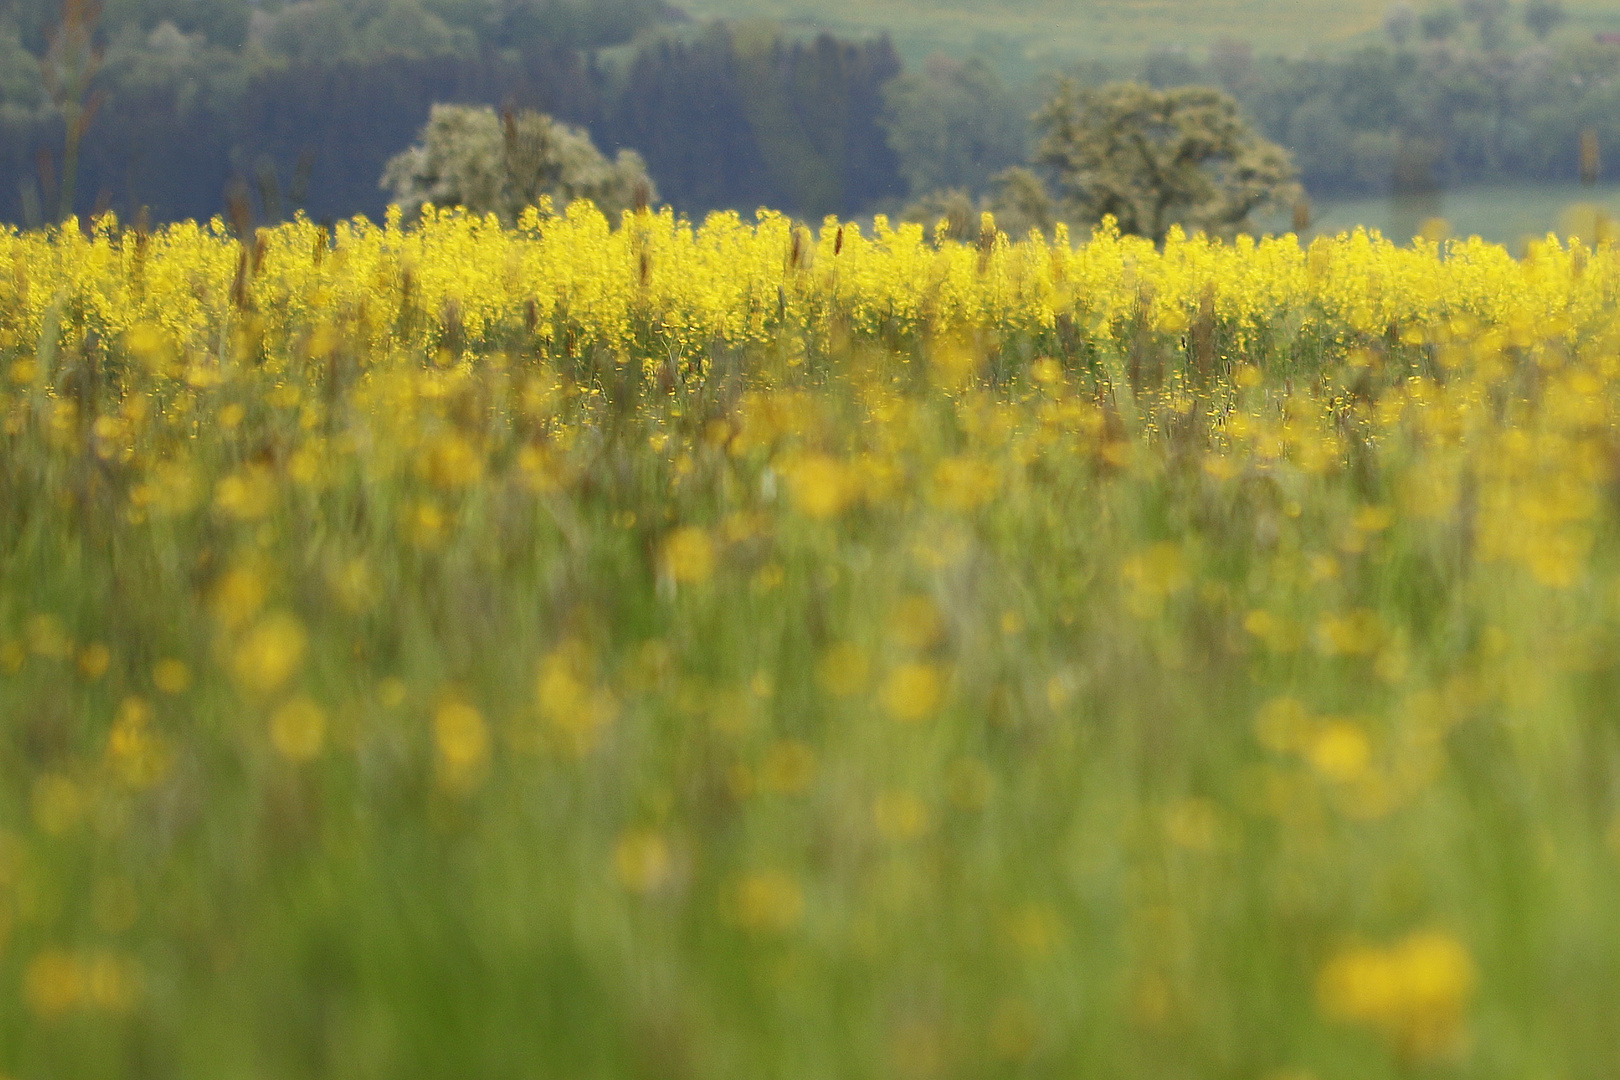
x,y
1095,28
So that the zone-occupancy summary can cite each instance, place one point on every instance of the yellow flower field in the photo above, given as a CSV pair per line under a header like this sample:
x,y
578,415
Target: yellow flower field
x,y
743,650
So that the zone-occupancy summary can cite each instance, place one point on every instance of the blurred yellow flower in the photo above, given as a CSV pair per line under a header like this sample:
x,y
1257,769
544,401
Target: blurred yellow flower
x,y
247,495
57,982
843,670
48,637
689,555
913,692
788,768
822,487
94,660
1284,725
1415,992
58,804
298,730
916,623
900,816
271,653
1357,633
461,739
1195,824
150,345
1154,574
1036,929
643,861
137,753
570,701
962,484
453,462
171,676
769,901
238,595
1340,751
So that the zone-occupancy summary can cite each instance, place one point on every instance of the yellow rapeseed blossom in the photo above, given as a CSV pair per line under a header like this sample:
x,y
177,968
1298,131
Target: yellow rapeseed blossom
x,y
1416,992
270,654
249,494
769,901
843,670
849,578
576,708
788,768
238,596
643,861
94,660
171,676
462,742
1340,751
822,486
57,982
900,815
913,692
138,754
689,555
298,729
58,803
916,623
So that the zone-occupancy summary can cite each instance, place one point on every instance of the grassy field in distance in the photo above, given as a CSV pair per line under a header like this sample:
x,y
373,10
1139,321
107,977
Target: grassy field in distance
x,y
1056,27
1502,214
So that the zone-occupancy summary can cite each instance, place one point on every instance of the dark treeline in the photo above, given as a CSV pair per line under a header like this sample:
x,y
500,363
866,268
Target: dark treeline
x,y
751,120
331,28
304,119
299,105
301,136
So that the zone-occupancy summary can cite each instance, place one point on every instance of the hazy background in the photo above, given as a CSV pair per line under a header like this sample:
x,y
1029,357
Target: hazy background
x,y
1395,113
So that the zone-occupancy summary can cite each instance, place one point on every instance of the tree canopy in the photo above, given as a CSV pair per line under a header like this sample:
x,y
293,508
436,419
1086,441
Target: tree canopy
x,y
1152,159
954,125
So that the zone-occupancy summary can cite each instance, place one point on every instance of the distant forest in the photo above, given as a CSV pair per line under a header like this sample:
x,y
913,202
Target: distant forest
x,y
196,103
190,107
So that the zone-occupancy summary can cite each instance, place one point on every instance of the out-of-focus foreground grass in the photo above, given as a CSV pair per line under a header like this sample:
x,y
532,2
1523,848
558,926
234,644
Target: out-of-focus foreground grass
x,y
743,652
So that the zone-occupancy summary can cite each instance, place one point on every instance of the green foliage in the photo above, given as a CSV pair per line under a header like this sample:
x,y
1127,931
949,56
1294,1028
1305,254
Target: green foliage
x,y
1400,23
1433,116
21,88
221,22
323,31
1151,159
954,125
1542,17
740,117
587,24
309,114
470,157
1440,23
1017,203
1490,17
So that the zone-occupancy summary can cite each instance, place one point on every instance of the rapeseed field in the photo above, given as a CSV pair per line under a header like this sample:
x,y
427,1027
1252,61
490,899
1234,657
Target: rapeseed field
x,y
743,650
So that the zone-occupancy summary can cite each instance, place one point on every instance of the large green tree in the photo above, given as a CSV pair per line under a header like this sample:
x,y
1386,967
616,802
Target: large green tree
x,y
1152,159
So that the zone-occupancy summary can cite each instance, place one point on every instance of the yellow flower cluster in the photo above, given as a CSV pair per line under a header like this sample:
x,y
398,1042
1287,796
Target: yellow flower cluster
x,y
885,641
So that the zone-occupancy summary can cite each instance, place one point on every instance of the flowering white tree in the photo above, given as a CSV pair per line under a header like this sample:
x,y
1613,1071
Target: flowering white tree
x,y
470,156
